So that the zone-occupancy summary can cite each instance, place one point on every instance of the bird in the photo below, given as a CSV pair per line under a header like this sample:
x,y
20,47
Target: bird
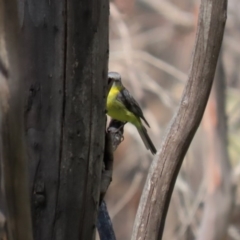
x,y
123,107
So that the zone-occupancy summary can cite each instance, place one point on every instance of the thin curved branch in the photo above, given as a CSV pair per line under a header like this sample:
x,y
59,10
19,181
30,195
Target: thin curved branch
x,y
171,13
133,188
152,211
154,61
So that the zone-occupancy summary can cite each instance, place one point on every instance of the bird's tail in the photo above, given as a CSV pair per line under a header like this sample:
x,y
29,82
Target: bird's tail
x,y
146,139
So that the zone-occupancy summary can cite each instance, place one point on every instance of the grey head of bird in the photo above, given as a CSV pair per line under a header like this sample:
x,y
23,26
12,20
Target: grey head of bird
x,y
115,78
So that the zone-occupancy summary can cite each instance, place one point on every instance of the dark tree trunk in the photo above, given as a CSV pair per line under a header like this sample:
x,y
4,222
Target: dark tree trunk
x,y
64,49
44,43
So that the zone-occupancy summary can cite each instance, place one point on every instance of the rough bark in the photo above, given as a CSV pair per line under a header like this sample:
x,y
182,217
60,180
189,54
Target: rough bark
x,y
83,126
150,219
64,52
219,200
43,34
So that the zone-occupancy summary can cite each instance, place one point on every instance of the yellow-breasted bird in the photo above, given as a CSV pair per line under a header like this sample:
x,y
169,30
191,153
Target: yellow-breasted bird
x,y
123,107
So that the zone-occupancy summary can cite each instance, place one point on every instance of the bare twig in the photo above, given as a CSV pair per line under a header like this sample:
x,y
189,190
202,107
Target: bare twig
x,y
233,232
156,62
151,85
150,219
149,37
128,195
171,13
189,219
126,44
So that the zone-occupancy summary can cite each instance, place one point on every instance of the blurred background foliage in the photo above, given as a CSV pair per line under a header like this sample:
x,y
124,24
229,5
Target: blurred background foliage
x,y
151,43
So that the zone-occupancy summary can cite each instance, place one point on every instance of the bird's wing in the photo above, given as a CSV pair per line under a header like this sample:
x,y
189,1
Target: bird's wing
x,y
130,103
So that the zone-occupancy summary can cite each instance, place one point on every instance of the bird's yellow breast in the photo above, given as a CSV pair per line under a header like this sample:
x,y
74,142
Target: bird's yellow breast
x,y
117,110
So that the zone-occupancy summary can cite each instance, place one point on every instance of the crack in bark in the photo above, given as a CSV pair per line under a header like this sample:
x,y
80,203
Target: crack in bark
x,y
62,117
